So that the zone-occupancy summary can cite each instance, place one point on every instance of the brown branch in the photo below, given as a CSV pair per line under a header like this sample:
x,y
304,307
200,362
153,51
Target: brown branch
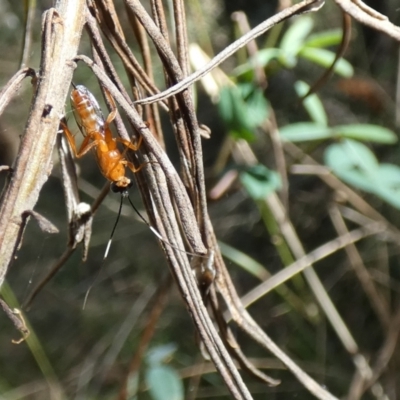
x,y
61,36
194,160
367,16
160,187
10,90
174,183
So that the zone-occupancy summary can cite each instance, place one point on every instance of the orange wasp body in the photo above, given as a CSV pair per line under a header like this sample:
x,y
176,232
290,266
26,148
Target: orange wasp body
x,y
97,135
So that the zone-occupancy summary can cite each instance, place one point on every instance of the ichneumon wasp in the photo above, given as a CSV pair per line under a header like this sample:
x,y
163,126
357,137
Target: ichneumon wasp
x,y
98,137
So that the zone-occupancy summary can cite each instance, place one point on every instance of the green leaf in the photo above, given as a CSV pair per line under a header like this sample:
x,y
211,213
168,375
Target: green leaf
x,y
373,133
261,59
389,175
244,134
244,261
233,109
160,354
164,383
265,56
388,184
259,181
243,108
324,39
390,196
304,131
230,104
245,89
358,155
325,58
354,163
257,106
293,40
312,104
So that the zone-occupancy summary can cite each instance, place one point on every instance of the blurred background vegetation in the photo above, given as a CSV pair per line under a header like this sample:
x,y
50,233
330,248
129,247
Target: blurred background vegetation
x,y
84,354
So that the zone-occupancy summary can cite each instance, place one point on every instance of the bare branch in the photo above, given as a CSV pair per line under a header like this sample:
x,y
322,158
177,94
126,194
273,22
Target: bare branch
x,y
368,16
62,30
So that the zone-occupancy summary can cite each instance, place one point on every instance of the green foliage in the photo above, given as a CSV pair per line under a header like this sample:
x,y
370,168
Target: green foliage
x,y
162,380
324,39
259,181
325,59
164,383
312,104
243,108
243,260
350,160
366,132
293,41
306,131
298,43
357,165
160,354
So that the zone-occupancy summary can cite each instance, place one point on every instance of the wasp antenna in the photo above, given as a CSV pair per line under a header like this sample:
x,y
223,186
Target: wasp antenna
x,y
113,230
105,253
138,213
158,234
86,297
154,230
73,85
